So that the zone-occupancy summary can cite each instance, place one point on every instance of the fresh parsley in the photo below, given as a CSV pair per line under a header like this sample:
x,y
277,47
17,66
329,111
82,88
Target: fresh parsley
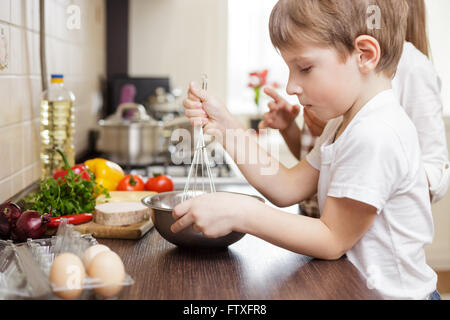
x,y
66,195
71,195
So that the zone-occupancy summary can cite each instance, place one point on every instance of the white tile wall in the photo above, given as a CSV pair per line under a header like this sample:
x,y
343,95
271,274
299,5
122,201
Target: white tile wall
x,y
5,10
78,54
5,45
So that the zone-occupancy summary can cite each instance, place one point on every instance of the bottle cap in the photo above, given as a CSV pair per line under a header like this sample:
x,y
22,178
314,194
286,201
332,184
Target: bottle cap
x,y
57,78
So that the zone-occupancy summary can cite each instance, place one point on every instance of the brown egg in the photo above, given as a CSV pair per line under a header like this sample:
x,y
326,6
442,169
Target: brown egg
x,y
108,268
67,272
91,252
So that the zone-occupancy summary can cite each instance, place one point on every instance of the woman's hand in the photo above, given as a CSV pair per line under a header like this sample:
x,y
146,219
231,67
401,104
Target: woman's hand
x,y
211,214
281,114
205,109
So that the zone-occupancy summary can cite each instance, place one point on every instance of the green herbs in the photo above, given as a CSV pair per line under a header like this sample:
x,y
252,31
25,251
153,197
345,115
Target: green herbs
x,y
66,196
70,191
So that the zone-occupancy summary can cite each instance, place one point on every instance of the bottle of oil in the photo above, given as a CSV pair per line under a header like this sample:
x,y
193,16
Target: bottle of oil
x,y
57,126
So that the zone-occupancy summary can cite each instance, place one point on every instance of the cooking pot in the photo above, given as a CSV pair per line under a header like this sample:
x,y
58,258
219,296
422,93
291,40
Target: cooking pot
x,y
132,137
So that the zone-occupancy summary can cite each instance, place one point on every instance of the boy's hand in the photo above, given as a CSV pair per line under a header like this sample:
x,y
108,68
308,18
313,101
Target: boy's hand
x,y
211,214
281,114
314,124
205,109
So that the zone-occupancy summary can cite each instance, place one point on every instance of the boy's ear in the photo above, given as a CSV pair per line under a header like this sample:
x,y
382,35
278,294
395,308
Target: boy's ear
x,y
368,53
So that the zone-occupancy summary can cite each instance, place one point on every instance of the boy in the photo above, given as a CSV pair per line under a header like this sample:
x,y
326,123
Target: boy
x,y
417,86
366,167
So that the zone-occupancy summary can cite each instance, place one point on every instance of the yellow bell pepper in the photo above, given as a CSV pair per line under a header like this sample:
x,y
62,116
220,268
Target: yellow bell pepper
x,y
107,173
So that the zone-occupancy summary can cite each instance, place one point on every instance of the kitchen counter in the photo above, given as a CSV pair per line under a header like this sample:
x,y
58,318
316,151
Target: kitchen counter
x,y
251,269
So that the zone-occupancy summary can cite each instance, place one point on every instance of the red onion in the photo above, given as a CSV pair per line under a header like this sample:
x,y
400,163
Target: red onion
x,y
31,224
5,228
9,214
11,211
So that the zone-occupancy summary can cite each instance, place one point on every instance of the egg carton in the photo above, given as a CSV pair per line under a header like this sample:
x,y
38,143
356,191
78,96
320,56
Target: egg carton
x,y
25,267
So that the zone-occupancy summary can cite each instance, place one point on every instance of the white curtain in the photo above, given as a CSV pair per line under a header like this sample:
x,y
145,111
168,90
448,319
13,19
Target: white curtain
x,y
250,49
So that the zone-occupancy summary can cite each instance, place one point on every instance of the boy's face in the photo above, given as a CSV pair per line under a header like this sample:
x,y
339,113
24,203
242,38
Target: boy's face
x,y
321,81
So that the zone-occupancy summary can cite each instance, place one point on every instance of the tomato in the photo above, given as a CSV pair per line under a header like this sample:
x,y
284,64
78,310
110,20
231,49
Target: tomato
x,y
82,170
79,169
131,183
159,183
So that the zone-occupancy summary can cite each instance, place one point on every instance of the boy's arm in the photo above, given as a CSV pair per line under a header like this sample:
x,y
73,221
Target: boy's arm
x,y
280,185
291,136
344,221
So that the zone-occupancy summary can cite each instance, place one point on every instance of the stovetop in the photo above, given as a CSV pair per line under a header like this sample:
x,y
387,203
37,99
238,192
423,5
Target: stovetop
x,y
223,174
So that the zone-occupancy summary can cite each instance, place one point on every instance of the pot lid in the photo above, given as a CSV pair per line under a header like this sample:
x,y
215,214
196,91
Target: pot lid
x,y
129,114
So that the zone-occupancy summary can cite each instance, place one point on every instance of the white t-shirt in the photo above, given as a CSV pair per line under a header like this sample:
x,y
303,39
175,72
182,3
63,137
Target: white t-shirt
x,y
418,87
377,161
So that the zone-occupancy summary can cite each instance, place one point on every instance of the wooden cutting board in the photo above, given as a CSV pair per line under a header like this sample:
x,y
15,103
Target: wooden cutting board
x,y
134,231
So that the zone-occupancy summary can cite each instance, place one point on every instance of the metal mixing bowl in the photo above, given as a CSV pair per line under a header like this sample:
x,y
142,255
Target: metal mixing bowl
x,y
162,205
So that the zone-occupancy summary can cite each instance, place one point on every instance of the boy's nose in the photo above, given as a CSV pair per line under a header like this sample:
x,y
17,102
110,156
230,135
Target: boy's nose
x,y
293,89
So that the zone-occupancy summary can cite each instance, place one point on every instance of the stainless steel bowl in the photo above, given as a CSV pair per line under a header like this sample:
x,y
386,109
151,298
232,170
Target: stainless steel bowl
x,y
162,205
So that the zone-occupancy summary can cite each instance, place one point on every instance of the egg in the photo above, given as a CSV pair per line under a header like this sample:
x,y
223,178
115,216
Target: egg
x,y
91,252
67,272
108,268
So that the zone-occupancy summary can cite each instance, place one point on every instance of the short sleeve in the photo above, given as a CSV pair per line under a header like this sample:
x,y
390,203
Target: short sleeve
x,y
368,165
314,156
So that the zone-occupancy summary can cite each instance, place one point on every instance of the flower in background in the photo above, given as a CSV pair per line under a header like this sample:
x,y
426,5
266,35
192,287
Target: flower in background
x,y
258,80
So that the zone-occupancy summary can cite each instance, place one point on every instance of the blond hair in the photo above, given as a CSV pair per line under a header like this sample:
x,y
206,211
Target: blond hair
x,y
337,23
416,32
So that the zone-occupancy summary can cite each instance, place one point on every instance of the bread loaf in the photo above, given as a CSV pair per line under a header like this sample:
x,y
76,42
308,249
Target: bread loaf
x,y
121,213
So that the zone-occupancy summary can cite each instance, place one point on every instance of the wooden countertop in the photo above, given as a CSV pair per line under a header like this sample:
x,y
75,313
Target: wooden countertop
x,y
250,269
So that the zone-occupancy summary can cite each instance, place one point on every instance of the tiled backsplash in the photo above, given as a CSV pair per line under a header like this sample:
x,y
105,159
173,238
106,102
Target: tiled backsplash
x,y
79,54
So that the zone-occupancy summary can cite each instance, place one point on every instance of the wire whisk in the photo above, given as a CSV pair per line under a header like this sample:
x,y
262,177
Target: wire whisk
x,y
200,162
